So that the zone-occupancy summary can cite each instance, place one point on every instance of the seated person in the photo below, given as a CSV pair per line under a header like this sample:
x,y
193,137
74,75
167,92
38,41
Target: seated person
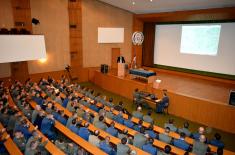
x,y
138,114
123,133
61,145
185,129
148,147
35,148
70,119
165,136
73,127
119,107
100,124
151,133
171,125
109,114
217,141
93,106
47,127
109,103
61,117
163,103
200,147
35,113
84,132
147,118
128,123
111,130
106,146
119,118
180,143
123,148
167,150
138,126
19,140
197,135
140,139
94,139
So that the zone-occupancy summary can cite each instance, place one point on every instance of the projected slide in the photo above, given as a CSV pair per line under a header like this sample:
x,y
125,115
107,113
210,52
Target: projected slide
x,y
204,46
203,39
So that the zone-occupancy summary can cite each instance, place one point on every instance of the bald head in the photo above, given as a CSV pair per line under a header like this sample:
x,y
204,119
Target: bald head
x,y
201,130
202,138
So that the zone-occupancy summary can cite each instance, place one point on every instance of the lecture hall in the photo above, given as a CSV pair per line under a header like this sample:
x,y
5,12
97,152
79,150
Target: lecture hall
x,y
117,77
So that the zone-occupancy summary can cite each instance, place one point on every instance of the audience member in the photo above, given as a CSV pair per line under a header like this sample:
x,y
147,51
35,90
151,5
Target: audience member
x,y
123,148
171,125
200,147
217,141
139,138
148,147
147,118
180,143
138,114
94,139
185,129
165,136
112,130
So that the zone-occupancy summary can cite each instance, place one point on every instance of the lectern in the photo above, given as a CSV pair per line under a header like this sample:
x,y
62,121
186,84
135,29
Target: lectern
x,y
121,69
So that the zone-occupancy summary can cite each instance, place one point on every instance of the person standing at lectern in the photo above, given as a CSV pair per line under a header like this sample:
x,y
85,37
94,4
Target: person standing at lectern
x,y
121,59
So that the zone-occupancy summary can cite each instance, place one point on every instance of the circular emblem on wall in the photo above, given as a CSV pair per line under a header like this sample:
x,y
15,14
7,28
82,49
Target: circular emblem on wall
x,y
137,38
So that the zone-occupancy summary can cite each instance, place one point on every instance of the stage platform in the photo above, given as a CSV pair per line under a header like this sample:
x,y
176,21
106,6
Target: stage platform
x,y
200,100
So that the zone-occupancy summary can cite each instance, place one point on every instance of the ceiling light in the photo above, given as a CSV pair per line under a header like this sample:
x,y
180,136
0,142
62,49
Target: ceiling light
x,y
133,3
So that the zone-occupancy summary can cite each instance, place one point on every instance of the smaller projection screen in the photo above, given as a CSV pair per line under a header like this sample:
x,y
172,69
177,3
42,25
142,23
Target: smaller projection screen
x,y
16,48
110,35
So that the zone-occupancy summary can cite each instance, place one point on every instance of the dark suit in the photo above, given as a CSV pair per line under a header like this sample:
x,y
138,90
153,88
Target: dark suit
x,y
120,59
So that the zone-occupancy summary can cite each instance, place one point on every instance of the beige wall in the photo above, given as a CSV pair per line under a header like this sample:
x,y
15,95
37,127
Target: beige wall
x,y
6,20
54,24
97,14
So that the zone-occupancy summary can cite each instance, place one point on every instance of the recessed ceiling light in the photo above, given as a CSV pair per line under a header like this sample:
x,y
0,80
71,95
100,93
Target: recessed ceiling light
x,y
133,3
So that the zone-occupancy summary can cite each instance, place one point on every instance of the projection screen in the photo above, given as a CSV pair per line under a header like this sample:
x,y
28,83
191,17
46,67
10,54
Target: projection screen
x,y
204,47
16,48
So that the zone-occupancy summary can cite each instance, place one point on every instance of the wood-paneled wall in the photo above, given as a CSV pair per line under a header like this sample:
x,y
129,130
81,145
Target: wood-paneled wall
x,y
22,19
75,29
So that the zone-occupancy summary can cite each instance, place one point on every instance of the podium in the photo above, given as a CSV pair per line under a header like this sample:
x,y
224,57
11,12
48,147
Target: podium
x,y
121,69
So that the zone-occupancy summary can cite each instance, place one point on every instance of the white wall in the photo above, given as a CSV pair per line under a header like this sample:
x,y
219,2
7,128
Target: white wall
x,y
167,50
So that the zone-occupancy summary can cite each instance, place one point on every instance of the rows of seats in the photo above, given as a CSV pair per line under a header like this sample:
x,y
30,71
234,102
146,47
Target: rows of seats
x,y
189,140
132,132
23,102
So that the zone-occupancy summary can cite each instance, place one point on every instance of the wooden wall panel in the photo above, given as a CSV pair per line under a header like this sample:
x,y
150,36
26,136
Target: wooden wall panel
x,y
21,14
115,54
75,29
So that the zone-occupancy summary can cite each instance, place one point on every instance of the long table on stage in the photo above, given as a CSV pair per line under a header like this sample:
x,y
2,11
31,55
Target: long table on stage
x,y
210,113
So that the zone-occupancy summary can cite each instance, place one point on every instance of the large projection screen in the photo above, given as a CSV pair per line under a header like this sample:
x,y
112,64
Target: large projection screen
x,y
16,48
173,48
110,35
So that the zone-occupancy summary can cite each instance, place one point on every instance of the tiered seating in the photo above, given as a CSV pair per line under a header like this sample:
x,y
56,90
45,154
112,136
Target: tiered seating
x,y
156,128
49,146
103,134
9,144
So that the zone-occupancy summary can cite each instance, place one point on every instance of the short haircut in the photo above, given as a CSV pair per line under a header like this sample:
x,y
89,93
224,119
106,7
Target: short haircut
x,y
217,136
182,135
186,125
149,113
124,140
167,129
167,149
142,130
101,118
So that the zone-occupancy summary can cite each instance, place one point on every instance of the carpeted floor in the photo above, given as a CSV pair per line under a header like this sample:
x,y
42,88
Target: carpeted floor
x,y
160,119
